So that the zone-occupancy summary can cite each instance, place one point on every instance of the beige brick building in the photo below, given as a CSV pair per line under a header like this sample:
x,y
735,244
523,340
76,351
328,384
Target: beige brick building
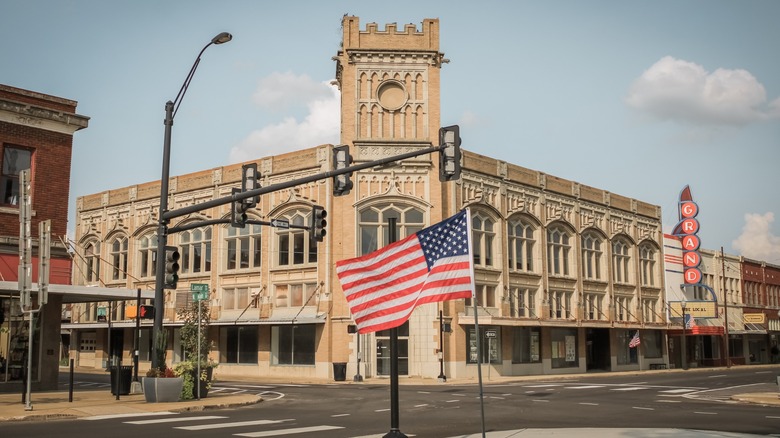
x,y
565,274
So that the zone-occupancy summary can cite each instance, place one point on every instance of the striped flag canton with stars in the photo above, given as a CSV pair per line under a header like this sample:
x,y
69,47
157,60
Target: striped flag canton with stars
x,y
447,239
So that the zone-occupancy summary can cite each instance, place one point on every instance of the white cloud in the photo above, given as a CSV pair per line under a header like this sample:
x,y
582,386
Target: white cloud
x,y
678,90
281,91
321,124
757,240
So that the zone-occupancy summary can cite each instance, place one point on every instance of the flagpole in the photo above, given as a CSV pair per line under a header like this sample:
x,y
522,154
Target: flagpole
x,y
476,322
395,431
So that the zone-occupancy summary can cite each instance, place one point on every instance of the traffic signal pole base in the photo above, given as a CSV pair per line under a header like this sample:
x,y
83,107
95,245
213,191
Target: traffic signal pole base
x,y
136,388
394,433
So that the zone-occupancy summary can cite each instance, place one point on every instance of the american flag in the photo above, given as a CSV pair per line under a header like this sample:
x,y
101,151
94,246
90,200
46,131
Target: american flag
x,y
384,287
634,342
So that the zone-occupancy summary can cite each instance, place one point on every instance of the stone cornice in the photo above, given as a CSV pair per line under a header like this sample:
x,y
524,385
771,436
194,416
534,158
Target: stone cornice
x,y
41,118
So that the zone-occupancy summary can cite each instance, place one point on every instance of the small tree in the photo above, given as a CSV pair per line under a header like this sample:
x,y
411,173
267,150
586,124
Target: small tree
x,y
192,315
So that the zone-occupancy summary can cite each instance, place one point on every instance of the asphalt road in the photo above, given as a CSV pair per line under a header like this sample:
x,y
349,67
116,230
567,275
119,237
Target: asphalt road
x,y
689,400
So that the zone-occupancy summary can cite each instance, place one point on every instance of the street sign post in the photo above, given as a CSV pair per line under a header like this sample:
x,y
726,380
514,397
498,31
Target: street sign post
x,y
200,292
280,223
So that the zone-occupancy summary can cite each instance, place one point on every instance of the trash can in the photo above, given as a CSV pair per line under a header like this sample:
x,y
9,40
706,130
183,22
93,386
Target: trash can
x,y
339,371
125,377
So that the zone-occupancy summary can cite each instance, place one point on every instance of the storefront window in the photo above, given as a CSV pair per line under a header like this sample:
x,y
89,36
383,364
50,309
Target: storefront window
x,y
652,343
625,354
490,343
526,344
564,348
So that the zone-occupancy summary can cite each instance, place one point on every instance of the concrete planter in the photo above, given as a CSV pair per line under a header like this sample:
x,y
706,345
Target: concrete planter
x,y
162,389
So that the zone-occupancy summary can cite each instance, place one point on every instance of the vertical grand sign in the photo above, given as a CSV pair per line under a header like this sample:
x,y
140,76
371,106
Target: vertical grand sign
x,y
687,230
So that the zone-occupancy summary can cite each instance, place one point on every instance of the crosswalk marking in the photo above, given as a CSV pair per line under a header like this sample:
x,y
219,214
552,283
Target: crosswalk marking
x,y
585,387
135,414
631,388
235,424
288,431
677,391
174,420
540,386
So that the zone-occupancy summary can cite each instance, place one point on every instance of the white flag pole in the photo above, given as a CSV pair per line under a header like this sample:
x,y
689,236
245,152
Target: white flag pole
x,y
476,322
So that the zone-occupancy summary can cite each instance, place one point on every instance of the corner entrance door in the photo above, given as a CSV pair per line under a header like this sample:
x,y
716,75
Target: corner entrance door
x,y
383,351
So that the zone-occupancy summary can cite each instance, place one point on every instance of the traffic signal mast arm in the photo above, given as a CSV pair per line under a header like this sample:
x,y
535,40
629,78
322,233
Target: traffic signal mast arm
x,y
192,225
171,214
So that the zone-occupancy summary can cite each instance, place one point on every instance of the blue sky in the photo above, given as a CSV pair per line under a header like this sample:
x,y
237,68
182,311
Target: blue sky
x,y
637,98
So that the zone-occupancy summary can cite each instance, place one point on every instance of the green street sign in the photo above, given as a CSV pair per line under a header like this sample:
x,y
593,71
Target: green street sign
x,y
200,291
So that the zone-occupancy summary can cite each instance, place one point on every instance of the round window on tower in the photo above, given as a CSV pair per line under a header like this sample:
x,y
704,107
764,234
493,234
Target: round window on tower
x,y
391,95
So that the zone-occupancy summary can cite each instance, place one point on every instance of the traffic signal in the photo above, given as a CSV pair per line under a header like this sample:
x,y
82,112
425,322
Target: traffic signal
x,y
146,312
449,153
249,182
317,223
341,160
238,212
171,267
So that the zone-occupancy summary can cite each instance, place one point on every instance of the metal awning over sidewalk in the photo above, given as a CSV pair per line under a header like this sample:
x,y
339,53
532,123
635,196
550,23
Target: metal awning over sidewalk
x,y
80,294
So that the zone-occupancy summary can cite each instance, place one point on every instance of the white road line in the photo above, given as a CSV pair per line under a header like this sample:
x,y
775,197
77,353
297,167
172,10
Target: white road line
x,y
288,431
235,424
540,386
250,386
542,401
452,401
719,375
421,406
173,420
137,414
381,410
589,404
506,395
341,415
423,392
763,372
668,401
459,395
706,413
677,391
632,388
497,398
773,417
642,408
584,387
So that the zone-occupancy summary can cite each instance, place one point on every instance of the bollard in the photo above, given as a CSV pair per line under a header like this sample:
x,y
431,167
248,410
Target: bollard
x,y
70,383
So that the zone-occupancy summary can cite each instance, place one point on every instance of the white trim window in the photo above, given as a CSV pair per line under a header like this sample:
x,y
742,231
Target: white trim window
x,y
647,264
242,246
195,247
649,309
522,302
295,295
621,261
591,256
294,247
593,306
521,245
560,304
484,235
235,298
147,255
622,308
119,258
374,224
558,251
486,296
92,261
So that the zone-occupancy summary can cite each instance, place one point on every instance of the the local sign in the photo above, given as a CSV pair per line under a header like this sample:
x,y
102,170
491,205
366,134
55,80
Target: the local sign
x,y
697,309
200,291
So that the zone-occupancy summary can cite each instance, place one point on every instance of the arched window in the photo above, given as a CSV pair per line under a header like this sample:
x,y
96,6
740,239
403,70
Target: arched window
x,y
647,264
195,248
147,255
119,258
591,256
558,249
483,236
621,261
521,245
293,245
373,224
243,247
92,261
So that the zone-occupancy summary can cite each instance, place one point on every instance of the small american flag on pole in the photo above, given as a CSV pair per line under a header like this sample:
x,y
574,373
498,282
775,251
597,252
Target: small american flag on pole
x,y
384,287
634,342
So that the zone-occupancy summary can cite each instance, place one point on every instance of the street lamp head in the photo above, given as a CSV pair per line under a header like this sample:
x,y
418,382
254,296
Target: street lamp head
x,y
222,38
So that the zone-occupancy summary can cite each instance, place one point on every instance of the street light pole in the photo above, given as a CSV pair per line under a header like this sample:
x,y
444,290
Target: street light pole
x,y
685,330
162,230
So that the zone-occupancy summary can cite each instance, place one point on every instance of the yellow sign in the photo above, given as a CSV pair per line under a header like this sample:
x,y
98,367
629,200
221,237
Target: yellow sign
x,y
754,318
697,309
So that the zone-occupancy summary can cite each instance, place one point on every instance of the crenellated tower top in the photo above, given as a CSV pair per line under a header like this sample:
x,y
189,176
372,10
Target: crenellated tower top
x,y
389,81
